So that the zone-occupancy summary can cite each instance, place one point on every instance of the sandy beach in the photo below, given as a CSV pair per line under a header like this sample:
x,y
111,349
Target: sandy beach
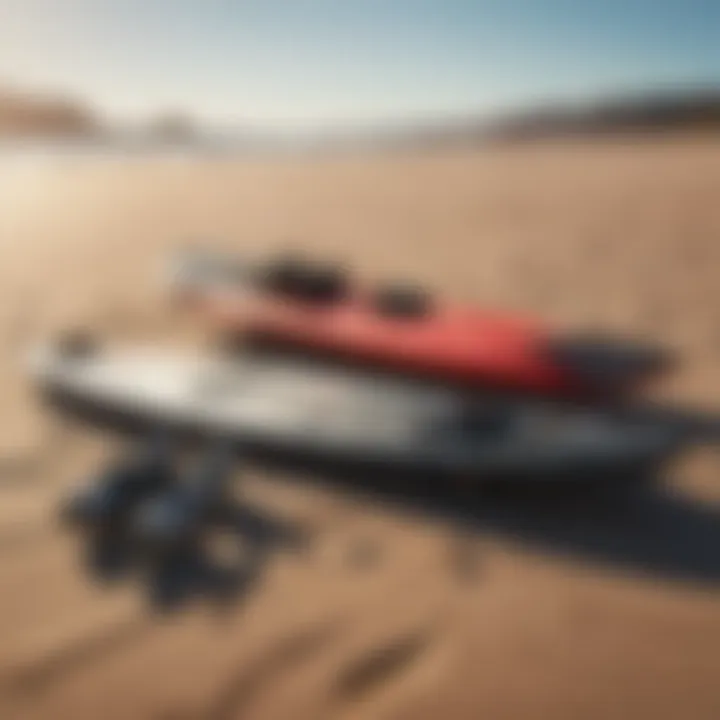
x,y
567,612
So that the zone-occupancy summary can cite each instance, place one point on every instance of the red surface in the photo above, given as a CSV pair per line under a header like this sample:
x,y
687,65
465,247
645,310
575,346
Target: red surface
x,y
452,343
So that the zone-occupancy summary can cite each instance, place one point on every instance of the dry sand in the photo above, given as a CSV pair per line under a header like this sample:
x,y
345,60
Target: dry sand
x,y
586,613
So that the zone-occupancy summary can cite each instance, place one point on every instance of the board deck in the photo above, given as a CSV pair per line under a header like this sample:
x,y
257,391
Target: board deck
x,y
299,406
415,334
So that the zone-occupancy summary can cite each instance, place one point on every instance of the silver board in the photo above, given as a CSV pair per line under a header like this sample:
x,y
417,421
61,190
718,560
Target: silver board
x,y
290,405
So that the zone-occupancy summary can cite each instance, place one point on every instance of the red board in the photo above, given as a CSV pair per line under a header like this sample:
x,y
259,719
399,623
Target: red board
x,y
451,343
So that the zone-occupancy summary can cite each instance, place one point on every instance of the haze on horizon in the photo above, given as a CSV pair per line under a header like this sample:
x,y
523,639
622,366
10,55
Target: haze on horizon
x,y
322,63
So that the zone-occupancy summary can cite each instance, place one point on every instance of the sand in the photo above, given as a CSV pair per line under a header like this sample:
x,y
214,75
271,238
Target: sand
x,y
535,612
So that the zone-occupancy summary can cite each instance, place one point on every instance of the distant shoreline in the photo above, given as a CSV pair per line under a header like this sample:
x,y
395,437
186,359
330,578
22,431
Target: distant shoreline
x,y
244,149
28,123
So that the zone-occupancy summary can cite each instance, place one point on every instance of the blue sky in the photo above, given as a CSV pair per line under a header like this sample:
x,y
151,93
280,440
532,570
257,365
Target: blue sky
x,y
313,63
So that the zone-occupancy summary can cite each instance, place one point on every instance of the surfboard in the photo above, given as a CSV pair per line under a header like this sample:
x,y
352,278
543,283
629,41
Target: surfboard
x,y
300,306
270,404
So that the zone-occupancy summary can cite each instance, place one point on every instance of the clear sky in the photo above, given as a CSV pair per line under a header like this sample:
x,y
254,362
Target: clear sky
x,y
314,63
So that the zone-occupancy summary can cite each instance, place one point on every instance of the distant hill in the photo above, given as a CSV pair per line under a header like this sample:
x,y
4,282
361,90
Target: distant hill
x,y
25,115
172,127
662,113
651,113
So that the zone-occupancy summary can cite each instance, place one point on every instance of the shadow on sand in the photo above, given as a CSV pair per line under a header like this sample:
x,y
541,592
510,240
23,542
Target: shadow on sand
x,y
639,524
